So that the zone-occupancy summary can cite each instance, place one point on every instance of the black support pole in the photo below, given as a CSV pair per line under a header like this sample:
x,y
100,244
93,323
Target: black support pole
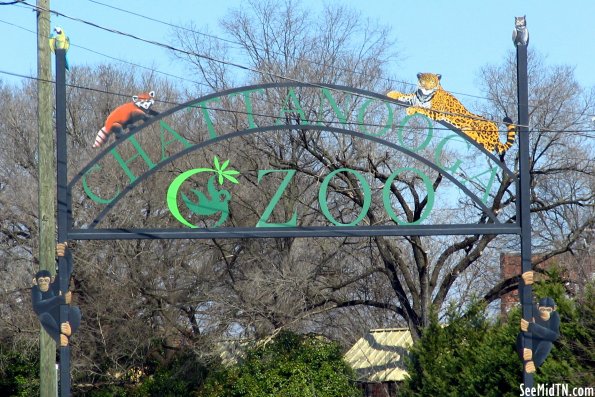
x,y
524,190
63,208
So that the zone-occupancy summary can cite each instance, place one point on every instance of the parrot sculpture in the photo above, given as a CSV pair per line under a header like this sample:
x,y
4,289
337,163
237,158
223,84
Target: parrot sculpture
x,y
60,41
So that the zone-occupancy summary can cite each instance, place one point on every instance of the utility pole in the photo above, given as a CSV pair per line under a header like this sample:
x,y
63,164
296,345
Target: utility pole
x,y
48,385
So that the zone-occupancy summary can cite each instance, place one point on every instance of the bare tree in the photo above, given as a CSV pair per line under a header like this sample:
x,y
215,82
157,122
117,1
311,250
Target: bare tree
x,y
153,299
561,155
282,44
421,273
140,300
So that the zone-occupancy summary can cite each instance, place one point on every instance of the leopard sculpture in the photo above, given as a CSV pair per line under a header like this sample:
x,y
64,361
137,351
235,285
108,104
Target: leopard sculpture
x,y
432,100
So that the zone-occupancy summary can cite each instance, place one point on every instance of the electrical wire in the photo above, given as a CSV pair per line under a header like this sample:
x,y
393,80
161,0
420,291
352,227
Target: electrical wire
x,y
234,64
162,45
211,36
172,25
198,55
172,48
114,58
580,133
178,103
80,87
167,46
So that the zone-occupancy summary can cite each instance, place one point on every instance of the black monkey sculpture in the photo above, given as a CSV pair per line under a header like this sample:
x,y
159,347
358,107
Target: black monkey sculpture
x,y
47,298
543,331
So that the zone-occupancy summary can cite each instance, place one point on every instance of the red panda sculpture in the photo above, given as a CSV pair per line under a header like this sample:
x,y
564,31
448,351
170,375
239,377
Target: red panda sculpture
x,y
125,115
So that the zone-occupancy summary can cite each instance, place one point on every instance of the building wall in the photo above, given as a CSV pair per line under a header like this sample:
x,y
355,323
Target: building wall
x,y
380,389
577,270
510,266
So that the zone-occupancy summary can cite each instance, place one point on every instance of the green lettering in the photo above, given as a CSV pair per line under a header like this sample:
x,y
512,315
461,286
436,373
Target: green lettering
x,y
428,139
124,163
262,222
488,187
322,197
291,105
248,104
176,138
362,112
438,153
205,112
87,190
386,196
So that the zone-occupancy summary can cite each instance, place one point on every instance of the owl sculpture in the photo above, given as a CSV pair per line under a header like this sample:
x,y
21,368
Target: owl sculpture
x,y
520,34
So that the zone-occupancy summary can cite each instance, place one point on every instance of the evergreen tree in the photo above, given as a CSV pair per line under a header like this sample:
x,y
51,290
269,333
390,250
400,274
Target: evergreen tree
x,y
473,356
289,366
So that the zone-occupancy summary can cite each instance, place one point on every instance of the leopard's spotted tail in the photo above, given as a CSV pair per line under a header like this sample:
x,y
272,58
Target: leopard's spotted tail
x,y
510,137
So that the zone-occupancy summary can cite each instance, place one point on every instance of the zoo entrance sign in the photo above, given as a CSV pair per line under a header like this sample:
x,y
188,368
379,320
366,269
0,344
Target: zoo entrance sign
x,y
204,189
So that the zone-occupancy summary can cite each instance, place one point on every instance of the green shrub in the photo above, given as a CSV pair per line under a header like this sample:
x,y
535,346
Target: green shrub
x,y
288,366
473,356
19,373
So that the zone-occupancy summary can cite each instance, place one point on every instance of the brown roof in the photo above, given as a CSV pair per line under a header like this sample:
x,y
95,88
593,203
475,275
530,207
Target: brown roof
x,y
378,356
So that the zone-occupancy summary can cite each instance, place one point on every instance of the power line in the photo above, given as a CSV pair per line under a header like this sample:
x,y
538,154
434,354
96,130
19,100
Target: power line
x,y
240,66
169,24
111,57
178,103
580,133
576,132
172,48
217,60
157,70
211,36
206,57
80,87
163,45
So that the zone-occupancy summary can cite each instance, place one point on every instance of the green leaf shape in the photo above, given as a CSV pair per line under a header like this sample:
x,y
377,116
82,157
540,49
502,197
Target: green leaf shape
x,y
223,173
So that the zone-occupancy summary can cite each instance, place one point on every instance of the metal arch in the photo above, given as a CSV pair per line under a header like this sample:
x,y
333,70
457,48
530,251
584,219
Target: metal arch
x,y
363,93
521,228
245,132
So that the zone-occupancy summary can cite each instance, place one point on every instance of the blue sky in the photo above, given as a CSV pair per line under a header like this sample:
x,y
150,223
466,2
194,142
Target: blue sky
x,y
454,38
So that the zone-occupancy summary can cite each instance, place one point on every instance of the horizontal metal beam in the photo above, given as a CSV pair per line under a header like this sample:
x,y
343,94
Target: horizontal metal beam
x,y
283,232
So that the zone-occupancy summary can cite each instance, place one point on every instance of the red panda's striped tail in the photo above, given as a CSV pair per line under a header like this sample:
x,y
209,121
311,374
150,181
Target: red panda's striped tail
x,y
100,138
